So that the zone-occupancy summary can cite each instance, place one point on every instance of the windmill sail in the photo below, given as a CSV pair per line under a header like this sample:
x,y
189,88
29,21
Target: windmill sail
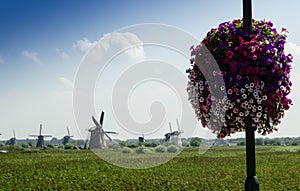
x,y
101,118
170,127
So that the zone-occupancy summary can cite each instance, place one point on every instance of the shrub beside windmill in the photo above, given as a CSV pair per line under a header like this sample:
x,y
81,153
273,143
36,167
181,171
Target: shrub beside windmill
x,y
40,141
97,138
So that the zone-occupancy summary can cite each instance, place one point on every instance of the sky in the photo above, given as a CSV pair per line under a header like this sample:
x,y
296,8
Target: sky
x,y
43,45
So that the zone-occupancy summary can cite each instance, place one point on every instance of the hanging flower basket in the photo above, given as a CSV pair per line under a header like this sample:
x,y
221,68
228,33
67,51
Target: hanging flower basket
x,y
256,73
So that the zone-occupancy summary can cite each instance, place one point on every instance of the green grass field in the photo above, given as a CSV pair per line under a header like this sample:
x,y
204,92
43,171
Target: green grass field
x,y
220,168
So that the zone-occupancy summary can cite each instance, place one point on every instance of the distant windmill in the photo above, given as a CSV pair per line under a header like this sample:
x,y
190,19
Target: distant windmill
x,y
40,141
97,140
13,140
67,137
142,138
174,136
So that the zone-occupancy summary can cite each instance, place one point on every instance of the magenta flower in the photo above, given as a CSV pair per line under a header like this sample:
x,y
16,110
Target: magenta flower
x,y
229,54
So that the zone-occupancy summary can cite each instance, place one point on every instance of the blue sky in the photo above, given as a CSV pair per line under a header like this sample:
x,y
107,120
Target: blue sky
x,y
40,49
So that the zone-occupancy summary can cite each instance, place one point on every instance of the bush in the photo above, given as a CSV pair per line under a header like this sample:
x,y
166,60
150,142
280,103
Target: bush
x,y
185,143
69,146
132,145
149,144
114,146
173,149
160,149
127,150
142,150
51,146
195,142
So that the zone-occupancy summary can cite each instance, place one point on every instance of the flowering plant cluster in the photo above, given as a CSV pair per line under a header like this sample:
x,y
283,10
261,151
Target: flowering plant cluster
x,y
256,73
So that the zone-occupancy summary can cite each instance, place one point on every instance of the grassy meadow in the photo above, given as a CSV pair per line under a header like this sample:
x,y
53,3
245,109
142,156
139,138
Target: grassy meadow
x,y
220,168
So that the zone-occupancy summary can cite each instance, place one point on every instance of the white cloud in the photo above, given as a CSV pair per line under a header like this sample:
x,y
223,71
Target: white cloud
x,y
66,83
117,41
1,60
62,54
113,42
84,45
65,56
33,56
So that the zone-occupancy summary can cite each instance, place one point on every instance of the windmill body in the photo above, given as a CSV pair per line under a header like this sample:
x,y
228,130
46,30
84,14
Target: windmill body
x,y
40,142
174,136
98,134
67,137
97,140
141,139
13,140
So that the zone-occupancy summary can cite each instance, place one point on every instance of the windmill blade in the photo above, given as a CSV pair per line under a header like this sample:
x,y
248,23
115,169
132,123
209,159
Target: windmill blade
x,y
179,130
111,132
178,124
68,130
107,136
14,133
47,135
101,118
40,129
95,121
170,127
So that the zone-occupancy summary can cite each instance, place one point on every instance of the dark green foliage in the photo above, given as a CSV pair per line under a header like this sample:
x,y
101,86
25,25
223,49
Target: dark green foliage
x,y
195,142
132,145
149,144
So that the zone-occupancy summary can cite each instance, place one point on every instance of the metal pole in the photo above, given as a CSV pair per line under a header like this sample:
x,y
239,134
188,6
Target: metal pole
x,y
247,15
251,182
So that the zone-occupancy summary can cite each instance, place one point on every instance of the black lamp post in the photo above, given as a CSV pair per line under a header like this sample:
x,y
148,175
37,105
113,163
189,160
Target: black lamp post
x,y
251,182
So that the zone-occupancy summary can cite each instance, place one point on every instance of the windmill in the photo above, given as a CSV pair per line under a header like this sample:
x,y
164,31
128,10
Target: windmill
x,y
97,140
67,137
40,141
142,139
174,136
13,140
